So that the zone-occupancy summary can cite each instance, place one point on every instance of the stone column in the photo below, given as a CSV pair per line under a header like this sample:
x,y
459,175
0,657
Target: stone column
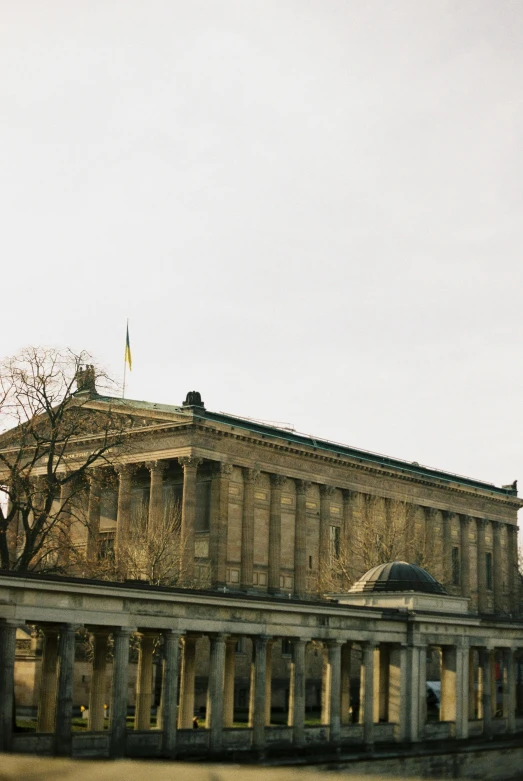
x,y
367,692
219,523
484,679
156,469
228,686
447,546
447,711
414,691
465,555
214,721
144,682
169,696
277,482
7,667
397,668
123,518
462,691
347,529
190,466
268,683
119,694
47,696
64,694
513,575
250,476
186,712
300,539
472,694
334,648
497,566
346,651
97,697
296,716
509,689
93,513
257,700
324,564
481,565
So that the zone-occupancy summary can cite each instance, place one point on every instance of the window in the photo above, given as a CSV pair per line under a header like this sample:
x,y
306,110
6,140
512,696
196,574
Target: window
x,y
335,542
310,562
455,567
488,568
106,546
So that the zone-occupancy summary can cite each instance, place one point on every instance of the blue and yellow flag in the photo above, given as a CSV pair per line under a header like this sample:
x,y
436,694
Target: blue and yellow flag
x,y
128,358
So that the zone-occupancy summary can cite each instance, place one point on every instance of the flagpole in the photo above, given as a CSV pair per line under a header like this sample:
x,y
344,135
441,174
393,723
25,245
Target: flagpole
x,y
125,360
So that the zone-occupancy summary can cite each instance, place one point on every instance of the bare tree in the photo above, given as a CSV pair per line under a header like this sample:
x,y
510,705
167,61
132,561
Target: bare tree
x,y
43,429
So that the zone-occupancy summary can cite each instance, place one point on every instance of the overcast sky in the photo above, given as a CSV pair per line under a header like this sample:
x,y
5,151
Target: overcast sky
x,y
310,210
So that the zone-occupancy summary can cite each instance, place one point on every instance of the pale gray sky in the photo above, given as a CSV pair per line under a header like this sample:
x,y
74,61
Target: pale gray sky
x,y
310,210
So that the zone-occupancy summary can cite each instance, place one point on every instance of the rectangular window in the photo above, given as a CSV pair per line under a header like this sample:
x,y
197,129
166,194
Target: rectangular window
x,y
455,567
488,568
310,562
335,542
203,506
106,545
286,647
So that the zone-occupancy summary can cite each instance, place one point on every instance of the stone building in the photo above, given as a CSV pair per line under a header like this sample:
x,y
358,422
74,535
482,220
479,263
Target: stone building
x,y
268,510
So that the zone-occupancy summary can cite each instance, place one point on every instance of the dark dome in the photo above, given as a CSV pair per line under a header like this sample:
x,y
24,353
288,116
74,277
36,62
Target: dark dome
x,y
397,576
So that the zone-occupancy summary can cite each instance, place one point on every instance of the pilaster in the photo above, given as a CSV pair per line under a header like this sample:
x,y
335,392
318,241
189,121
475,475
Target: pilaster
x,y
190,466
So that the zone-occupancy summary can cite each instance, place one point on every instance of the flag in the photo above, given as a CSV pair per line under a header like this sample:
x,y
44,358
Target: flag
x,y
128,358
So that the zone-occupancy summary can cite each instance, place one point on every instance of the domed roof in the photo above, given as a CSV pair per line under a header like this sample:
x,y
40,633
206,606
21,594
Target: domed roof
x,y
397,576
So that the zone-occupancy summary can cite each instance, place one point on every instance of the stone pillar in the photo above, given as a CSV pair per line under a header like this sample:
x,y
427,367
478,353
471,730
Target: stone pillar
x,y
97,697
462,691
394,688
119,694
214,721
324,564
509,689
414,689
257,701
465,555
347,530
7,686
93,513
513,574
123,518
48,681
296,716
169,696
228,686
64,694
186,712
367,692
219,523
484,685
190,467
277,482
473,697
447,547
144,682
497,566
447,711
346,651
156,469
268,683
250,476
481,565
334,649
300,539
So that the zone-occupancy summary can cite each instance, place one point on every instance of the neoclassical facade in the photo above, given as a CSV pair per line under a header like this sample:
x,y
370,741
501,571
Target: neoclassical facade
x,y
267,510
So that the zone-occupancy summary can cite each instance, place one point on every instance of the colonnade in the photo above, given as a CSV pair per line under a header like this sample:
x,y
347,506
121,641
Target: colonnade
x,y
457,551
392,688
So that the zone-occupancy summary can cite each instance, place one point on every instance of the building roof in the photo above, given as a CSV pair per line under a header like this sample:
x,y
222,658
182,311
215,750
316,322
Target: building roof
x,y
397,576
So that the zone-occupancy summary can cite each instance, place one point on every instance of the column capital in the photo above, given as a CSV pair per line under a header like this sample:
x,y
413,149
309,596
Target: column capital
x,y
333,642
327,490
430,512
94,475
222,468
277,481
251,474
348,494
190,462
123,631
159,466
481,523
497,528
302,485
125,470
